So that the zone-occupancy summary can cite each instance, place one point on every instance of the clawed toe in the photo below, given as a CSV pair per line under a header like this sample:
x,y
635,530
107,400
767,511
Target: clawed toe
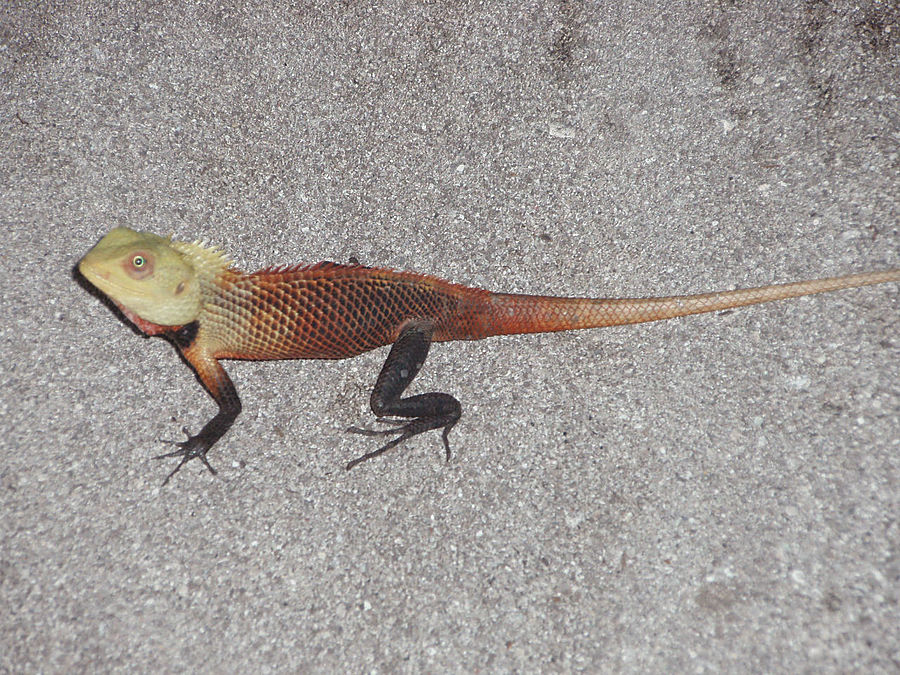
x,y
375,432
194,447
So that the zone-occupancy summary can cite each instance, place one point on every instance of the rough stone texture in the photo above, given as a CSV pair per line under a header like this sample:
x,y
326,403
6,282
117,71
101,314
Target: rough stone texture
x,y
714,493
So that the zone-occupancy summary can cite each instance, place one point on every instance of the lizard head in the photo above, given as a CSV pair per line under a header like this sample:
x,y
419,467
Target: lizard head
x,y
145,275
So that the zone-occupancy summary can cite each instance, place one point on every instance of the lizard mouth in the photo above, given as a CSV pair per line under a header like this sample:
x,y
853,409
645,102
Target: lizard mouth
x,y
114,291
101,279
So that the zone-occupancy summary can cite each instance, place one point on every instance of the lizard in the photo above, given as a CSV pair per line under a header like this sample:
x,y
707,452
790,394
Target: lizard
x,y
194,296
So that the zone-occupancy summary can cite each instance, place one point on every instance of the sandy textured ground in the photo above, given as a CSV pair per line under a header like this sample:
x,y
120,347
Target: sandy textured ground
x,y
714,493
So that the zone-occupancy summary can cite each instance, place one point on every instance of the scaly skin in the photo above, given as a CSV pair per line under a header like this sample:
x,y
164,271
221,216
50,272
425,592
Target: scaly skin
x,y
210,310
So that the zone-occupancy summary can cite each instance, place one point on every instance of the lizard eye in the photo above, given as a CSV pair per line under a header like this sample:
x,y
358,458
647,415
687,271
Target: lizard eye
x,y
139,265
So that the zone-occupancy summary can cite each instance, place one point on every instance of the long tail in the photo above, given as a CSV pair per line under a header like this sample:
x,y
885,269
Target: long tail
x,y
511,314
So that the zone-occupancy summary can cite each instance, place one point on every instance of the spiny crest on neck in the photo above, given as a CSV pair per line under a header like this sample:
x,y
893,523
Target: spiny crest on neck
x,y
208,261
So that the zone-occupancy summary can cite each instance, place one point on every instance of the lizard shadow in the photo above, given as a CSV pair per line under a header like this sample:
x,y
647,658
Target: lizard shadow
x,y
90,288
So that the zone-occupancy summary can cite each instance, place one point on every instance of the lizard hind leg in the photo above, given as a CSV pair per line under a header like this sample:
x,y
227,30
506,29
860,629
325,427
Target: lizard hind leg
x,y
425,411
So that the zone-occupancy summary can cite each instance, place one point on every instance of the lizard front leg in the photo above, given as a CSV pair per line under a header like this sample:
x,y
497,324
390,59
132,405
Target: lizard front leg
x,y
428,411
216,381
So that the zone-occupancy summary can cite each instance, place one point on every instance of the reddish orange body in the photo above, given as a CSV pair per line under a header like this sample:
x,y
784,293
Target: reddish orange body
x,y
334,311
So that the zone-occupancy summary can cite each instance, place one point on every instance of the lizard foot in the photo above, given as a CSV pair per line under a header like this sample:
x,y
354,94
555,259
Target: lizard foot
x,y
425,412
405,431
195,447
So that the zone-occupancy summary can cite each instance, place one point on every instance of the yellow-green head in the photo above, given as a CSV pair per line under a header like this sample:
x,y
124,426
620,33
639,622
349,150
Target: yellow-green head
x,y
146,275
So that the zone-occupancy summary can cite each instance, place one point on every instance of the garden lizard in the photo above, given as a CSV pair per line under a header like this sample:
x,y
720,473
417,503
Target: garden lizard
x,y
210,310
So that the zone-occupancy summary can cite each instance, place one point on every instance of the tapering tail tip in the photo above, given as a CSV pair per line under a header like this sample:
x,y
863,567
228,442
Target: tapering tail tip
x,y
540,314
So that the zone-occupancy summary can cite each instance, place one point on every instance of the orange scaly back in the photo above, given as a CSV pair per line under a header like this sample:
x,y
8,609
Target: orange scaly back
x,y
333,311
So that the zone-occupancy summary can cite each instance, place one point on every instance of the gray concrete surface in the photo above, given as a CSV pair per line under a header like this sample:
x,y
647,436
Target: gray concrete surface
x,y
717,493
